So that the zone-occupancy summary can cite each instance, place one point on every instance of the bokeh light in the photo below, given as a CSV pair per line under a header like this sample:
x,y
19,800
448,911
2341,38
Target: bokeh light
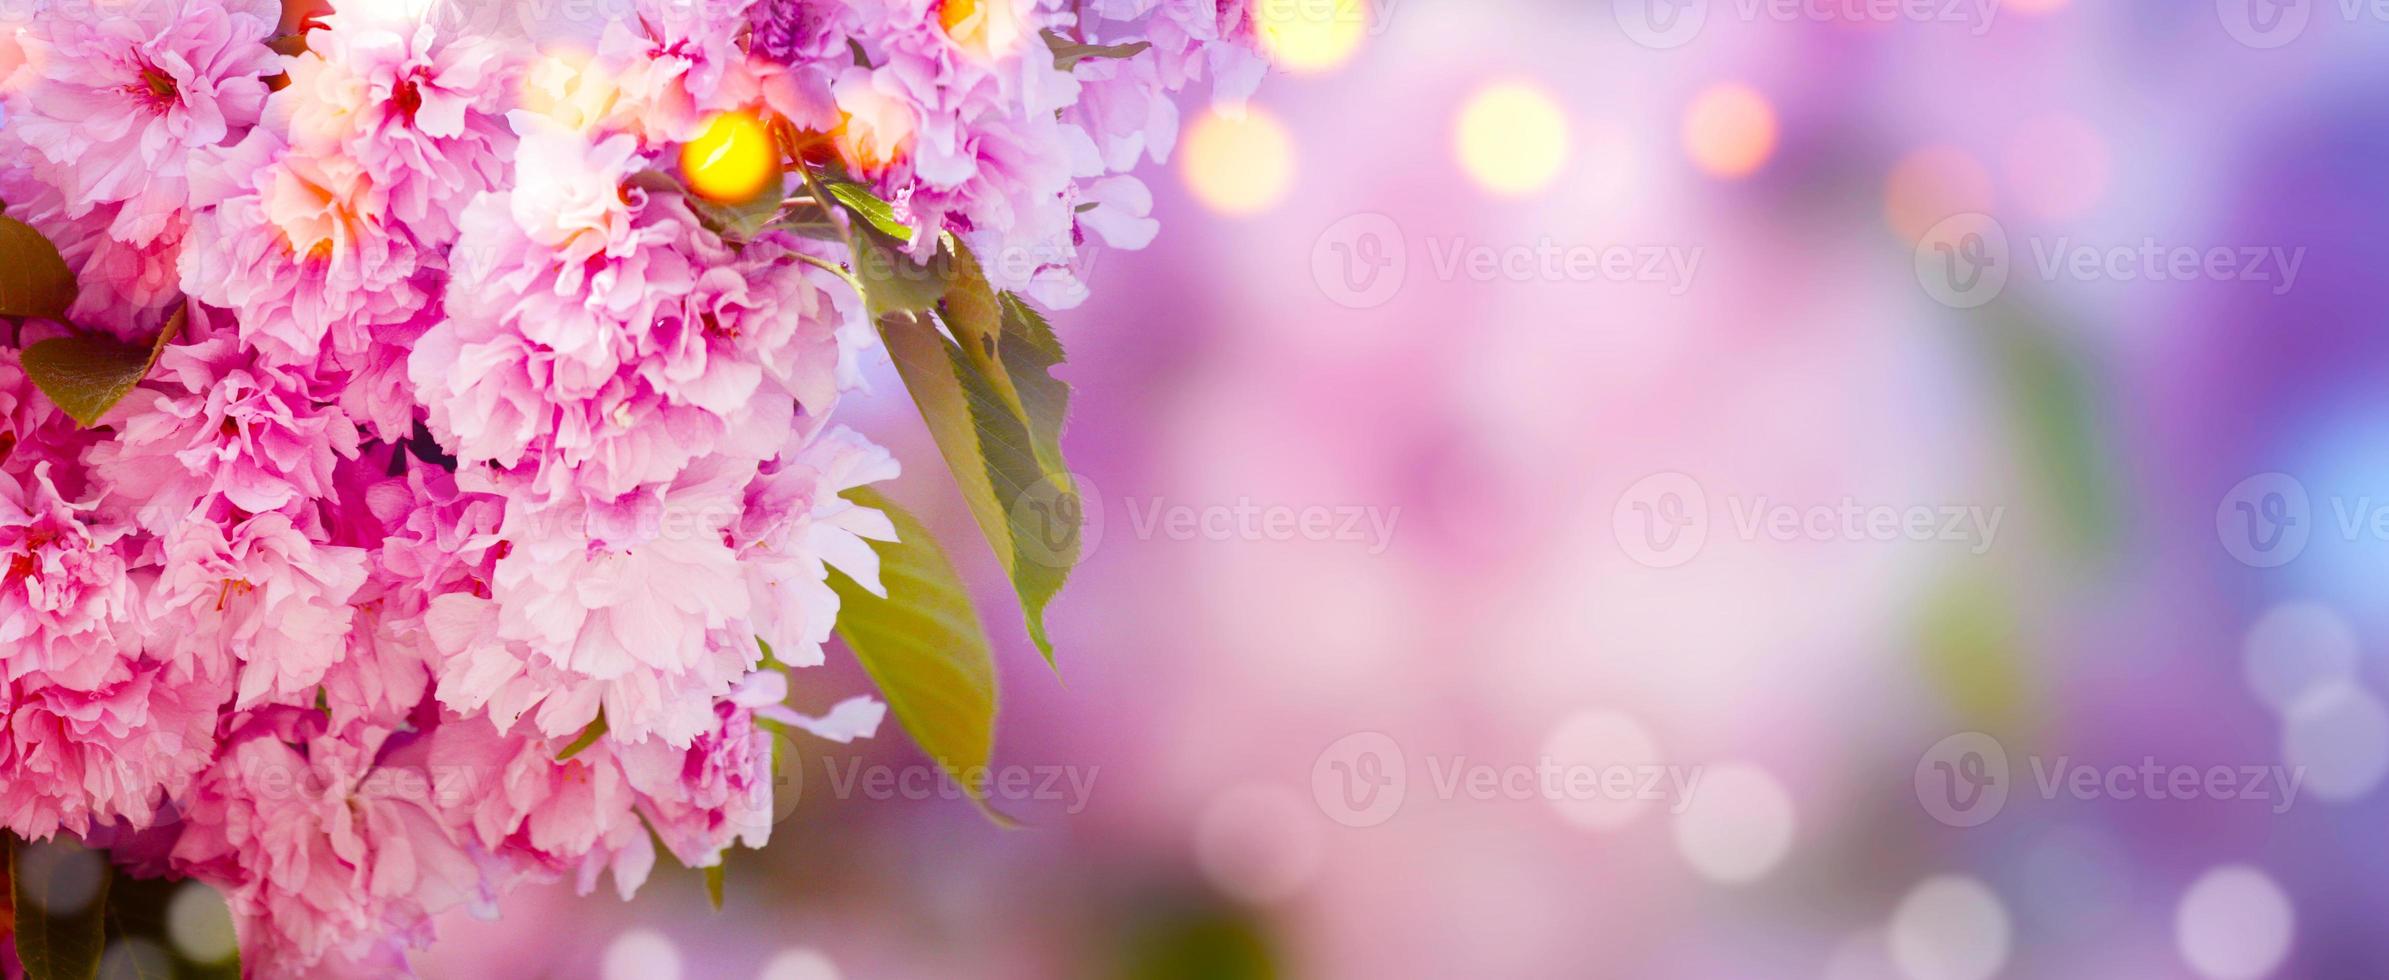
x,y
642,954
1601,741
200,925
1238,162
1729,130
733,160
1737,826
1930,184
983,29
2234,923
2296,648
1312,36
1513,138
1951,927
799,964
68,876
2338,735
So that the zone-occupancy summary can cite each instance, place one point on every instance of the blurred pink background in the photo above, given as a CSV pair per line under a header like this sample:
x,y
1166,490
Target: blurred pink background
x,y
1546,388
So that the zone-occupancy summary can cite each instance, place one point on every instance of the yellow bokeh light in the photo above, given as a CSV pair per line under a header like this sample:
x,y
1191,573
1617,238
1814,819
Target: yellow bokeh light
x,y
1513,138
732,161
1238,163
1729,130
1311,36
986,29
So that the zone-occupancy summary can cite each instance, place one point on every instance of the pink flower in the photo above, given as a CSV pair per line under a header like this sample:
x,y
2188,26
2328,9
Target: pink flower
x,y
422,113
543,816
613,341
67,605
718,791
1192,38
263,595
123,94
674,64
122,286
637,607
104,749
331,845
305,254
214,434
796,526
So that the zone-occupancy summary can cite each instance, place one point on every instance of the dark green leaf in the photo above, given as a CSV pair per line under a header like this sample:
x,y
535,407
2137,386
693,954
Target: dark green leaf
x,y
86,375
50,946
1068,53
588,737
892,281
714,881
34,280
1028,510
869,207
923,647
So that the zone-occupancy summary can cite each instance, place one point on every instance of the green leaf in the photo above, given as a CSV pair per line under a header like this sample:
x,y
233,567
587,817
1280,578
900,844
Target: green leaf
x,y
1068,53
891,281
869,207
87,374
714,881
54,947
997,421
923,647
34,280
587,738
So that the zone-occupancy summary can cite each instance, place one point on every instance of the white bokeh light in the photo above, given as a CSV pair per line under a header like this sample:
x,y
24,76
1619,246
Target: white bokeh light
x,y
2339,736
58,876
1737,826
2295,648
1602,741
1950,927
2234,923
200,925
799,964
642,954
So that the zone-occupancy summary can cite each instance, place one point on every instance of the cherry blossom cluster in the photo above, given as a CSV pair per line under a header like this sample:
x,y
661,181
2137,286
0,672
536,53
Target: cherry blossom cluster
x,y
484,489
